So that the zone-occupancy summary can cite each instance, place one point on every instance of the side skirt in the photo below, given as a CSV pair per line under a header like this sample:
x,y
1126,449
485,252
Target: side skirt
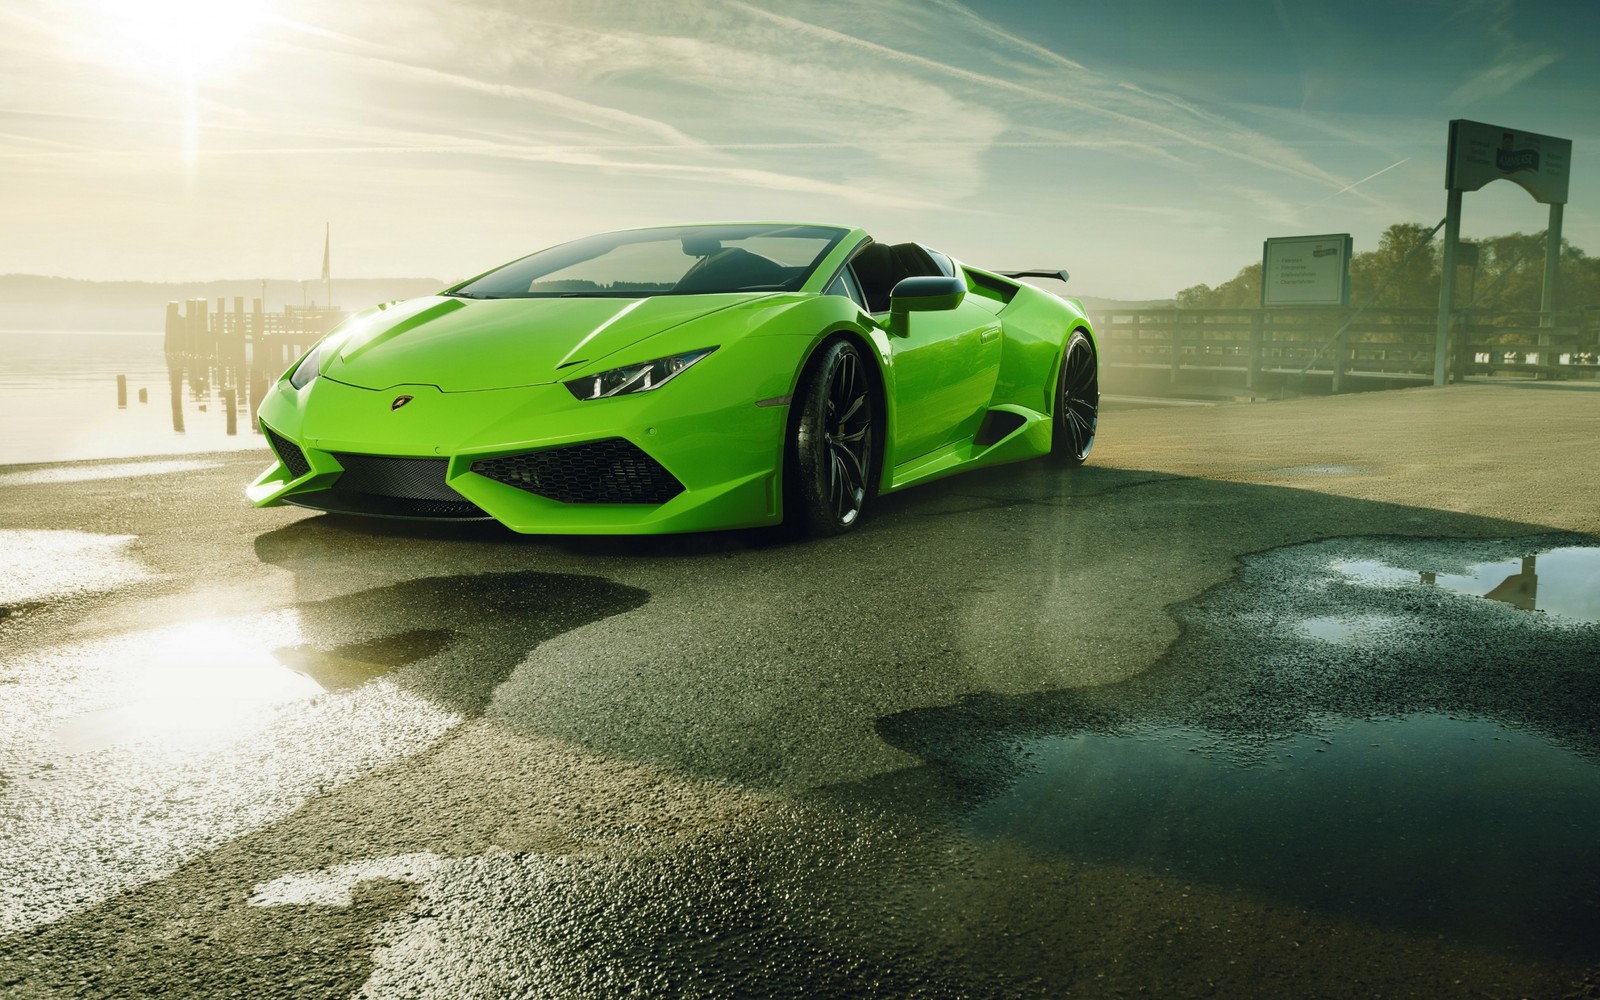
x,y
1026,439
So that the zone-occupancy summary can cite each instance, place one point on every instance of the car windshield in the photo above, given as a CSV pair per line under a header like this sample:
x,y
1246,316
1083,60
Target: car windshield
x,y
686,260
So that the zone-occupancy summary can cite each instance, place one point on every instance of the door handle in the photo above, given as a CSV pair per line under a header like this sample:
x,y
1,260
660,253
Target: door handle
x,y
990,334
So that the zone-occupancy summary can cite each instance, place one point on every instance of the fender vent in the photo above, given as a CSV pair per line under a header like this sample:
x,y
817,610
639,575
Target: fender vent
x,y
610,471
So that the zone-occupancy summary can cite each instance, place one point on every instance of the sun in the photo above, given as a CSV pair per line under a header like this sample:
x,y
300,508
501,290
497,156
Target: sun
x,y
192,39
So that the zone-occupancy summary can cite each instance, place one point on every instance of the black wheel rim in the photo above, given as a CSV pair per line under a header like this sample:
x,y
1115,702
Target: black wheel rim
x,y
847,436
1080,398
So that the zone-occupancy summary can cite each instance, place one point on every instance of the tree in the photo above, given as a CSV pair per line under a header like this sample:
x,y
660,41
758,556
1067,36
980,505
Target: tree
x,y
1415,282
1243,291
1509,277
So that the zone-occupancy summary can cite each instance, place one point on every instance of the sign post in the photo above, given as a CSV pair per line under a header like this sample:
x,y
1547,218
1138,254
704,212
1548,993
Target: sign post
x,y
1478,154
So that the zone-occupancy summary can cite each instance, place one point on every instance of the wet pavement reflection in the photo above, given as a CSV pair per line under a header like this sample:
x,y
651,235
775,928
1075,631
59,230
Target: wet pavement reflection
x,y
1428,822
48,564
1563,582
1332,732
134,753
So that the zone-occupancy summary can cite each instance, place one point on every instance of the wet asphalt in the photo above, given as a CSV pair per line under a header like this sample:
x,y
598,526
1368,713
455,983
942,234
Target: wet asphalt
x,y
274,753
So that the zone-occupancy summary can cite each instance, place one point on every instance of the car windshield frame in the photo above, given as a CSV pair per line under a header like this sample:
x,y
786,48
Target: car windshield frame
x,y
714,263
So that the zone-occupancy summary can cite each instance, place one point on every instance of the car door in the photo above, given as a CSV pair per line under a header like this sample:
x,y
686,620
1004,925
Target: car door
x,y
945,368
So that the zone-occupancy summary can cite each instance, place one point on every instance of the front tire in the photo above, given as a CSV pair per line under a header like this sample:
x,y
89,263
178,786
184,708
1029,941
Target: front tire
x,y
1077,409
832,452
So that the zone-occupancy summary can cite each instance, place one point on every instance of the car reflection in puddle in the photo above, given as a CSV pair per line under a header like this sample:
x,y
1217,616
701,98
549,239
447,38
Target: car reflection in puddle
x,y
1346,725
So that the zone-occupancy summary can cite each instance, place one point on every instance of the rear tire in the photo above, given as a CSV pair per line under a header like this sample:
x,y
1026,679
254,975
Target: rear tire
x,y
1077,409
831,459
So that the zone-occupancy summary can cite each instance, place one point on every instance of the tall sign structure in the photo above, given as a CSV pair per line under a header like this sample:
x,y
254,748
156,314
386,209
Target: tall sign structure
x,y
1481,153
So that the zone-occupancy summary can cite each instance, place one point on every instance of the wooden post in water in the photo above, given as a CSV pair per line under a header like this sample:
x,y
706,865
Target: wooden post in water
x,y
199,326
175,382
230,399
122,392
144,395
219,330
173,338
236,334
257,326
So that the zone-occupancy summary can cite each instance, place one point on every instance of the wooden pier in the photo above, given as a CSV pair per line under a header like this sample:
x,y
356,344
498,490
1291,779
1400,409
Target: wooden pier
x,y
229,357
262,338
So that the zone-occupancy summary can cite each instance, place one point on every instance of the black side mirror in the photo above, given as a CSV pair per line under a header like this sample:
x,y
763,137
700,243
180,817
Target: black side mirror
x,y
926,293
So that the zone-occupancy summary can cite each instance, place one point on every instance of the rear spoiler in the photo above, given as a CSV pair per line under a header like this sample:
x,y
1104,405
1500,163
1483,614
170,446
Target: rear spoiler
x,y
1060,276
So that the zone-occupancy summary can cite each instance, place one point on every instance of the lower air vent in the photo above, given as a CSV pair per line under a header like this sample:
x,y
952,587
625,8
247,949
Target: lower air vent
x,y
288,452
610,471
382,486
336,501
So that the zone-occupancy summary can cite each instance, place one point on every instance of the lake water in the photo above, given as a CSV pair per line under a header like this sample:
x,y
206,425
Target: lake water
x,y
58,399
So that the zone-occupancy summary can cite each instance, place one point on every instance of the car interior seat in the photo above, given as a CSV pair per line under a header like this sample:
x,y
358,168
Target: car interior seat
x,y
731,269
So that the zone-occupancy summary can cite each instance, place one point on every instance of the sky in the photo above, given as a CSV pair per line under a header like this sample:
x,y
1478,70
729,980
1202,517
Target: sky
x,y
1145,145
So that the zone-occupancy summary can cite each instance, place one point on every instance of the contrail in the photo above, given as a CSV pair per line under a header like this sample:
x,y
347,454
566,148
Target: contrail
x,y
1367,178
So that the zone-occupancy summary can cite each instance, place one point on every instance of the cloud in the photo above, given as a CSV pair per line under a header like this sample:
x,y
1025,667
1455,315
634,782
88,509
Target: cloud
x,y
1514,61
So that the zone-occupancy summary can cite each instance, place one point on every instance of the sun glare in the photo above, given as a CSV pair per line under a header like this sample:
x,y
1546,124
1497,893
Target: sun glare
x,y
188,38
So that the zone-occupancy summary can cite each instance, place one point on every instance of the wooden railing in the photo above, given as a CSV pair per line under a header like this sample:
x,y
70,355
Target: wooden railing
x,y
1251,347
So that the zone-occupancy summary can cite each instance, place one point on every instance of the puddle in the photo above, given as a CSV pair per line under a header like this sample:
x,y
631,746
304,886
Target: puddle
x,y
353,664
1346,725
1437,824
40,564
1564,582
198,681
1347,629
206,680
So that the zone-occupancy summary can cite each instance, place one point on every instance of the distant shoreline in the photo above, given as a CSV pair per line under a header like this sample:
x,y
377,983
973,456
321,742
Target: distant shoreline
x,y
72,332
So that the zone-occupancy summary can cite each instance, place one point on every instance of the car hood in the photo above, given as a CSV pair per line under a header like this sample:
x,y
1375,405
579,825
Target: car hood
x,y
462,345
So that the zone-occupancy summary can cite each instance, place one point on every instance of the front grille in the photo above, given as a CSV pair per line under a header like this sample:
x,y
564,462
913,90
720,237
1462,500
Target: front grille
x,y
410,478
288,452
390,487
610,471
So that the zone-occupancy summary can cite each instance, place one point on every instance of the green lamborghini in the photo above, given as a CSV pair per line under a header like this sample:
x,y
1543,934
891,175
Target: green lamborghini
x,y
683,379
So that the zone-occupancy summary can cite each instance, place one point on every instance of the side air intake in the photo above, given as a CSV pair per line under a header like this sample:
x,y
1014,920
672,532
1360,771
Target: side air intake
x,y
610,471
288,452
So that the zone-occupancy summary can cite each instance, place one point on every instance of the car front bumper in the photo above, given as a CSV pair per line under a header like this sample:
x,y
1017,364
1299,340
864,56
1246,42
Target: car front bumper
x,y
681,458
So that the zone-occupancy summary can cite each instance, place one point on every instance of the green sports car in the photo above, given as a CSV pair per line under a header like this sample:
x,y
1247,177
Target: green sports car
x,y
683,379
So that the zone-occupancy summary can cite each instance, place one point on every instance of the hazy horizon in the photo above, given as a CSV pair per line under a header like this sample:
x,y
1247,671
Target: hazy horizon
x,y
1145,147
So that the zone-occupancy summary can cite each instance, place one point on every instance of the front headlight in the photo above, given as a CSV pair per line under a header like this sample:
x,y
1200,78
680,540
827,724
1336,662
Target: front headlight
x,y
641,377
308,367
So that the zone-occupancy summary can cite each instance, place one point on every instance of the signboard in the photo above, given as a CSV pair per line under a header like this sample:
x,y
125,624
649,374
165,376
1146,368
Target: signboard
x,y
1482,153
1305,271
